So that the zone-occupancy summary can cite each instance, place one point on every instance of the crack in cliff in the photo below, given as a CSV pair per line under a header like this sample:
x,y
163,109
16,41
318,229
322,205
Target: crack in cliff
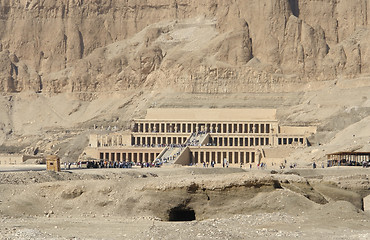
x,y
294,6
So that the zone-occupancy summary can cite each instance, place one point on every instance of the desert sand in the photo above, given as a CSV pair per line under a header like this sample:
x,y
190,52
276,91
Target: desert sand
x,y
228,203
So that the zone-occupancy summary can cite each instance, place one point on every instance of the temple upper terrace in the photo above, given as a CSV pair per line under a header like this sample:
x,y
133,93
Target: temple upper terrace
x,y
207,120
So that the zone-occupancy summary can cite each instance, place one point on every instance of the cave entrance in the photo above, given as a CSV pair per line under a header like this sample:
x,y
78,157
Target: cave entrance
x,y
181,214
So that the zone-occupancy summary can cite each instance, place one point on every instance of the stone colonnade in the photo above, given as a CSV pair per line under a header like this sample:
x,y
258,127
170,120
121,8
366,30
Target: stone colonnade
x,y
239,141
132,155
159,139
148,126
238,157
288,140
110,140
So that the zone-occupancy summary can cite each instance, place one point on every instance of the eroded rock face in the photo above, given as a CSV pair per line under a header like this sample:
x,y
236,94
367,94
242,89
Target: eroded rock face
x,y
16,76
209,46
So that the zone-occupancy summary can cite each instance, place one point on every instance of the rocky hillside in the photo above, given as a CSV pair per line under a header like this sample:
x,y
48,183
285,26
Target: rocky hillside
x,y
211,46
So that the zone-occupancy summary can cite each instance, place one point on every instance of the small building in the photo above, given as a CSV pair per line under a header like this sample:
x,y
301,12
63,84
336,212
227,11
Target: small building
x,y
347,158
53,163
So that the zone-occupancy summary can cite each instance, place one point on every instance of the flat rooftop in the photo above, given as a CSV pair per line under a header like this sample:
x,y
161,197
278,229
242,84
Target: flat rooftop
x,y
205,114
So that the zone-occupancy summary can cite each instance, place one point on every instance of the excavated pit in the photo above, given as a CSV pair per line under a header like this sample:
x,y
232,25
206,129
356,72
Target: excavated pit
x,y
181,214
196,202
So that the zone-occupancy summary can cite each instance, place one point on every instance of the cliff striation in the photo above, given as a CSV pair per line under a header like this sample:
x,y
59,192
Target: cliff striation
x,y
210,46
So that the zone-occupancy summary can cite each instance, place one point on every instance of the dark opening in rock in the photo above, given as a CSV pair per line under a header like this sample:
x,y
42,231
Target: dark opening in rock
x,y
181,214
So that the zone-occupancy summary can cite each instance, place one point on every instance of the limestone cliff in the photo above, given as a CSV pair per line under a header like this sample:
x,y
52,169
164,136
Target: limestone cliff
x,y
211,46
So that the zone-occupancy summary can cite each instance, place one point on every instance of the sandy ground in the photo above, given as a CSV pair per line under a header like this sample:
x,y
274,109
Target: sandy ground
x,y
23,167
228,204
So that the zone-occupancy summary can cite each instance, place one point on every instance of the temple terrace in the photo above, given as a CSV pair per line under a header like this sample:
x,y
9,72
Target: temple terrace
x,y
232,137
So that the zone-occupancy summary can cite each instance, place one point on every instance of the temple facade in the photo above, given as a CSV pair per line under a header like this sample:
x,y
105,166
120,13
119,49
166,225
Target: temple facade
x,y
231,137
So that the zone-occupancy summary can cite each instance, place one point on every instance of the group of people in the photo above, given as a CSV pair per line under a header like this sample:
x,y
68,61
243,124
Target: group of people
x,y
213,163
261,165
111,164
99,164
193,142
150,145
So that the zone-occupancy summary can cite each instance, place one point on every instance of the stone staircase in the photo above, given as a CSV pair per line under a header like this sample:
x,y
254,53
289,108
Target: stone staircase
x,y
170,154
197,139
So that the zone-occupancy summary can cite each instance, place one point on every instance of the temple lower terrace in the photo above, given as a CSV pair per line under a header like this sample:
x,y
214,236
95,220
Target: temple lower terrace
x,y
217,137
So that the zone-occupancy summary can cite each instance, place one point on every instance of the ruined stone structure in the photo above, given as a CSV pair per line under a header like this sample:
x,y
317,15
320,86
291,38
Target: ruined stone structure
x,y
14,159
195,136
